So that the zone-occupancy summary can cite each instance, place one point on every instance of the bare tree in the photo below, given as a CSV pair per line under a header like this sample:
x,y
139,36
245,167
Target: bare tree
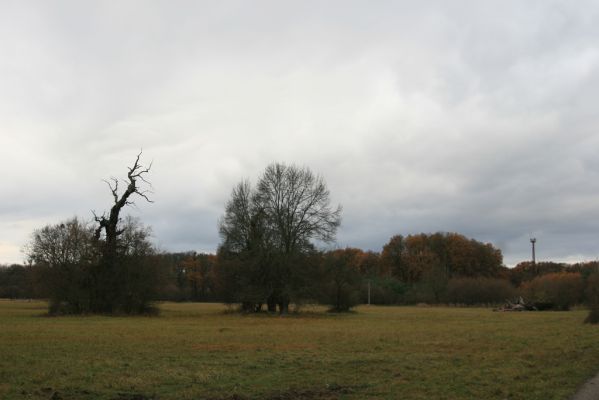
x,y
67,243
64,255
296,204
110,224
272,228
123,280
235,225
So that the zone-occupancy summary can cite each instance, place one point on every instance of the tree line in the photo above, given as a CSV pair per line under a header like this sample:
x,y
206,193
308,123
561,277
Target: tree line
x,y
340,277
276,251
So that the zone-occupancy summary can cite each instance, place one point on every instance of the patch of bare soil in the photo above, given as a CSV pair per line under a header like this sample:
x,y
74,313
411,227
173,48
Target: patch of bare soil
x,y
47,392
331,392
133,396
234,347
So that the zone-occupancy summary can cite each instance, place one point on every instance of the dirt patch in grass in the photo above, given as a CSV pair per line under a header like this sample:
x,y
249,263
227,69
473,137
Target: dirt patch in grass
x,y
331,392
133,396
328,393
233,347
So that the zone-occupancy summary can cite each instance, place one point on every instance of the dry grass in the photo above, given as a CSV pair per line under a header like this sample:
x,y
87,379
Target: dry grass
x,y
196,351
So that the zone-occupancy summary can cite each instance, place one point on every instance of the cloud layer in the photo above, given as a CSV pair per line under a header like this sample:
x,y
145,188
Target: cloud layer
x,y
466,116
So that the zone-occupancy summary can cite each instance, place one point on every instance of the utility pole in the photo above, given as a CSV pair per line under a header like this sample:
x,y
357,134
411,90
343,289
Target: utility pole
x,y
533,241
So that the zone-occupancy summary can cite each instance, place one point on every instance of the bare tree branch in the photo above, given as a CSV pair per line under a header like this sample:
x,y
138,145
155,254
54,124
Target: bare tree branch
x,y
109,224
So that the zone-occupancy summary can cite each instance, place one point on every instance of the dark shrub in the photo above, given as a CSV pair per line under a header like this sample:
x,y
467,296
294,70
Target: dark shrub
x,y
384,290
592,295
16,282
472,291
341,280
76,280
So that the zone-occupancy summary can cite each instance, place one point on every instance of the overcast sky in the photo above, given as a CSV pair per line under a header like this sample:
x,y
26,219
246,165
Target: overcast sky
x,y
465,116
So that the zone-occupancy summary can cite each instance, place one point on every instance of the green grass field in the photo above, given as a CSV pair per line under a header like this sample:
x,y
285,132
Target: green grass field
x,y
196,351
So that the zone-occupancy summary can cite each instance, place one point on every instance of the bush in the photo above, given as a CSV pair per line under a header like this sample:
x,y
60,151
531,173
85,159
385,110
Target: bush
x,y
472,291
421,292
384,290
16,282
341,281
592,296
527,271
593,317
558,290
71,272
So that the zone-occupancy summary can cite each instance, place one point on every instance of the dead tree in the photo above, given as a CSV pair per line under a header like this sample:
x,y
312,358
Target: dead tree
x,y
110,282
110,224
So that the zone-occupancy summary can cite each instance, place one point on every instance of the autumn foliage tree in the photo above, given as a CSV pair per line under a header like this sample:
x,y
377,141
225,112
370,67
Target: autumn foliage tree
x,y
559,290
527,270
411,258
392,256
200,275
426,262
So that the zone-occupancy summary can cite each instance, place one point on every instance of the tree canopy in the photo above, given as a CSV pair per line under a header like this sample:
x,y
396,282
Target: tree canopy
x,y
271,229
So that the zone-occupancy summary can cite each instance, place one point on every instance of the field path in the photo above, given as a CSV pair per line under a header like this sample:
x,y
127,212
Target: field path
x,y
588,391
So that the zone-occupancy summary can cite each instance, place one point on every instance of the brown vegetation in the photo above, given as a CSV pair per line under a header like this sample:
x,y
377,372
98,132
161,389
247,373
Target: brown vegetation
x,y
557,290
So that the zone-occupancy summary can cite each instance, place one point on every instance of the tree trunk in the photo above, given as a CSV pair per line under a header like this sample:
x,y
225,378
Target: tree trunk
x,y
271,303
108,290
247,306
284,306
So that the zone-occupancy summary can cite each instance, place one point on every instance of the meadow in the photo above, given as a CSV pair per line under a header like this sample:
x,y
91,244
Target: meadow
x,y
200,351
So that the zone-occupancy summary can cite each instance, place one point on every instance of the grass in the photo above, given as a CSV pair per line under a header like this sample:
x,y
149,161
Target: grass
x,y
196,351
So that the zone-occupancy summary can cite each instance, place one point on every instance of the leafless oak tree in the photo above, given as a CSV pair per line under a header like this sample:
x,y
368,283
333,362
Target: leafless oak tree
x,y
109,224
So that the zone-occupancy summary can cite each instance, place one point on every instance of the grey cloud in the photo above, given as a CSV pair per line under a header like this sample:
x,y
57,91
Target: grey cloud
x,y
464,116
